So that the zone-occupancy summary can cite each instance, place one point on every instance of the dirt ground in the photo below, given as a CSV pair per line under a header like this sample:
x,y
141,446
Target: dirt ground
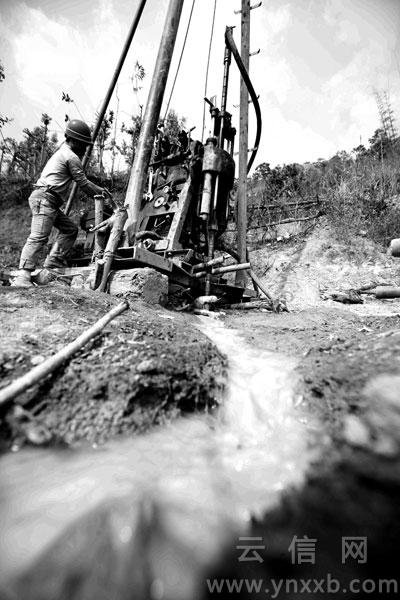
x,y
349,367
146,368
150,365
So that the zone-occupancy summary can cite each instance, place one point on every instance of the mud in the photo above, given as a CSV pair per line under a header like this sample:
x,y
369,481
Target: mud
x,y
348,371
145,369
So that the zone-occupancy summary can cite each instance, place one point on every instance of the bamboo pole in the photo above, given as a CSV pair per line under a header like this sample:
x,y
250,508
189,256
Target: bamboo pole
x,y
249,305
9,393
98,216
387,292
284,221
120,217
258,283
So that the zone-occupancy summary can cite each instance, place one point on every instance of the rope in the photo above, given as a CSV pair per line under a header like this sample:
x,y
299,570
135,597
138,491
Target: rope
x,y
180,60
207,69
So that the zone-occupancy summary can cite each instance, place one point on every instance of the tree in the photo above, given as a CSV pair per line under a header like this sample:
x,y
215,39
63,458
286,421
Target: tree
x,y
103,135
3,118
128,149
380,145
173,126
29,155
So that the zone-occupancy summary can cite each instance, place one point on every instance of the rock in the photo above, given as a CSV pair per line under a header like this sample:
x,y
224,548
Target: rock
x,y
147,284
384,390
78,282
383,396
386,446
355,432
37,360
147,366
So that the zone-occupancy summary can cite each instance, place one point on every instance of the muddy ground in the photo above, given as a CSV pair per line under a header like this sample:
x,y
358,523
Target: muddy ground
x,y
350,380
152,364
349,368
146,368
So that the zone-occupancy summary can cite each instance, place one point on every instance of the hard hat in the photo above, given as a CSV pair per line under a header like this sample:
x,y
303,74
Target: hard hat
x,y
78,130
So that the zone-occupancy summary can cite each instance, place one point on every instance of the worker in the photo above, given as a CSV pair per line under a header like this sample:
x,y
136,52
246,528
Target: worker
x,y
50,191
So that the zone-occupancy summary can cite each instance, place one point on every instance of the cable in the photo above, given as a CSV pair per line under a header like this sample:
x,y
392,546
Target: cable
x,y
77,108
207,69
180,59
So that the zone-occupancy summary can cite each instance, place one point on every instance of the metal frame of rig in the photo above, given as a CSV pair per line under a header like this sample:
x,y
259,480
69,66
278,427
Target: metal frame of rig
x,y
177,207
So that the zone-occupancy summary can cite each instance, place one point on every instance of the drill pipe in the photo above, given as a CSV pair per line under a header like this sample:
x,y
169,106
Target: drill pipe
x,y
230,268
107,98
210,263
137,180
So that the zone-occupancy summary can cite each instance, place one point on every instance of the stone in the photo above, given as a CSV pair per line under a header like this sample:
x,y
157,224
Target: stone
x,y
355,432
384,390
37,360
145,284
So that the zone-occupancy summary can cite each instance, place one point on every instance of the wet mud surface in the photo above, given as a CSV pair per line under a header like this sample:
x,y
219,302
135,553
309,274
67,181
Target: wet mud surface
x,y
145,369
348,371
350,381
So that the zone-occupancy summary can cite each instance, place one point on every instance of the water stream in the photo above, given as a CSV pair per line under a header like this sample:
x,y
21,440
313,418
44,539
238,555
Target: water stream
x,y
208,474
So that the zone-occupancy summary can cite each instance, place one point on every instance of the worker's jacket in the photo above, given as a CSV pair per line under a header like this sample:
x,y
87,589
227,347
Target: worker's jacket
x,y
60,171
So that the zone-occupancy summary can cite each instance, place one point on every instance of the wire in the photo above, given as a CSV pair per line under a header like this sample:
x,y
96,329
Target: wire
x,y
180,59
77,108
207,69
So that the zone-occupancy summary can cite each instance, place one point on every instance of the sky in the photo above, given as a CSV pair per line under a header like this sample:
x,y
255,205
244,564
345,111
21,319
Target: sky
x,y
319,64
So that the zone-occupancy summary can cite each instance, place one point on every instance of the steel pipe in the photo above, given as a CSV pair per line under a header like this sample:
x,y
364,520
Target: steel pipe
x,y
107,98
230,268
215,261
137,181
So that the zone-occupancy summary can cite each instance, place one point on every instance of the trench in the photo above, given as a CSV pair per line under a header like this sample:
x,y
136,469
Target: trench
x,y
200,479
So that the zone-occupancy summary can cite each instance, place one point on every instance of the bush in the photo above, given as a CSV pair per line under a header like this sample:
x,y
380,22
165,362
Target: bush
x,y
359,192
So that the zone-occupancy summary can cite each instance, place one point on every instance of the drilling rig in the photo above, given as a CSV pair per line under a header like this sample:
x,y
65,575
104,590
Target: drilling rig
x,y
178,200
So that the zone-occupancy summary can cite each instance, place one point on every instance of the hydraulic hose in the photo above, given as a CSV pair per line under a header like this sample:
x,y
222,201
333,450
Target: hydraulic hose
x,y
232,46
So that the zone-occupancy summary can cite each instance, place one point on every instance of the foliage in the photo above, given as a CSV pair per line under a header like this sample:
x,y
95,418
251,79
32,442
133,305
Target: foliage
x,y
28,156
3,119
102,138
359,191
172,127
128,147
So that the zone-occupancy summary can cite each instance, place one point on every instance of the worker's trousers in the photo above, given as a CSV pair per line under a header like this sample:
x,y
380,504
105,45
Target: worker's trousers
x,y
46,214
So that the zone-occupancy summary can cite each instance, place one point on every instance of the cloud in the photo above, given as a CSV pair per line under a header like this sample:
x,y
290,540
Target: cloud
x,y
309,108
51,56
278,19
287,141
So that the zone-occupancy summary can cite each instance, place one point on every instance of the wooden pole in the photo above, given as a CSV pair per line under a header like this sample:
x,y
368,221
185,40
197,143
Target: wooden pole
x,y
9,393
119,219
243,145
98,217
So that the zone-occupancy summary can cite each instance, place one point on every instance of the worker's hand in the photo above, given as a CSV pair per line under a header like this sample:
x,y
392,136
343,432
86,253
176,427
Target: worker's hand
x,y
106,194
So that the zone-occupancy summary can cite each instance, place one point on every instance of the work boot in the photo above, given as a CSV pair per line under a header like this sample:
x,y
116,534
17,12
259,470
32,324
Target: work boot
x,y
55,263
46,276
23,279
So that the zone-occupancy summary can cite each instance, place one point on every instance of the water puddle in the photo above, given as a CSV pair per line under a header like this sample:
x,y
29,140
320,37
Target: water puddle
x,y
208,474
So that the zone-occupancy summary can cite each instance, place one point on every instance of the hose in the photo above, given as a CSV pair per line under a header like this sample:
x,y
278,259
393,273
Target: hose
x,y
232,46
